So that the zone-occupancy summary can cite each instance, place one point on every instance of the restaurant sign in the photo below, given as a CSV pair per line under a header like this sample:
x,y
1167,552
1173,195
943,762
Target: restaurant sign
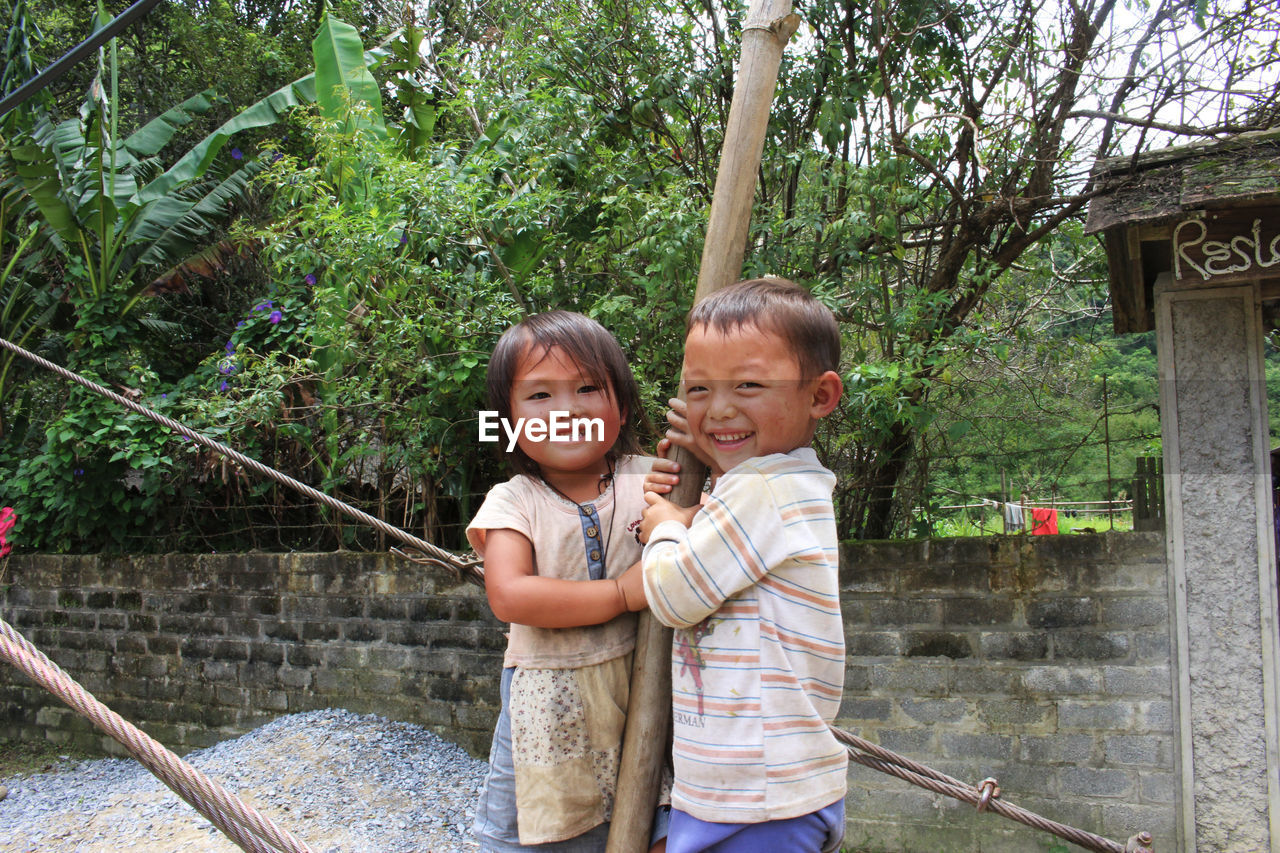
x,y
1227,248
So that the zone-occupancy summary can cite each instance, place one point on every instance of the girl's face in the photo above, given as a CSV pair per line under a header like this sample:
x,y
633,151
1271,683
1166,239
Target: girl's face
x,y
548,381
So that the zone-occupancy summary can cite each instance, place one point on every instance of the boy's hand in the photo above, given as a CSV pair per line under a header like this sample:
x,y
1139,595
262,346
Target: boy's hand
x,y
660,509
665,473
678,434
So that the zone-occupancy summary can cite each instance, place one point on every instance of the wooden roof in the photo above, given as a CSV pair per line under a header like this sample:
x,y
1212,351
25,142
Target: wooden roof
x,y
1159,186
1189,212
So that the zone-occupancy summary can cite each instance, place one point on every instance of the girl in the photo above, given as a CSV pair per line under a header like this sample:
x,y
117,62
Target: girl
x,y
561,565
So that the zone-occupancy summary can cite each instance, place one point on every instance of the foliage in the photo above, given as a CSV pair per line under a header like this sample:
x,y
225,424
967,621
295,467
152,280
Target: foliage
x,y
1058,409
98,476
924,153
24,310
1037,423
925,172
109,217
109,211
245,48
385,397
361,368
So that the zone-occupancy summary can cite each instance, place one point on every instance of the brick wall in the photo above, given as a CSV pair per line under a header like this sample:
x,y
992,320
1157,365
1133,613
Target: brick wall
x,y
1041,661
197,649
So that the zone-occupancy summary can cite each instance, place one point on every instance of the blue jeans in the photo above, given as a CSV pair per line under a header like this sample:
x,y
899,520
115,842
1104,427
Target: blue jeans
x,y
817,832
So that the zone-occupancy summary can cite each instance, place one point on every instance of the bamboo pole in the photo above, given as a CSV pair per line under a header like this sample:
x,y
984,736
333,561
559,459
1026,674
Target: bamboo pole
x,y
769,26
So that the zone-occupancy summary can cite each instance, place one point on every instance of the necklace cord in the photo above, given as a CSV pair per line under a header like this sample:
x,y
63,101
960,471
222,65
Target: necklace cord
x,y
622,593
607,481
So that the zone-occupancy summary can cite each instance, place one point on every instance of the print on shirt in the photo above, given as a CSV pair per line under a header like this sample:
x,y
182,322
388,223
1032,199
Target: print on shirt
x,y
690,656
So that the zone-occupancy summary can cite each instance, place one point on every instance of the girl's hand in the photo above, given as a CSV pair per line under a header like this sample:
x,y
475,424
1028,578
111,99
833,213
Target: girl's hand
x,y
660,509
516,594
665,473
631,583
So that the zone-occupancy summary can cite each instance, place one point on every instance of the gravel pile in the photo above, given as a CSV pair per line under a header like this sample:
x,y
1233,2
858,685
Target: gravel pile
x,y
341,782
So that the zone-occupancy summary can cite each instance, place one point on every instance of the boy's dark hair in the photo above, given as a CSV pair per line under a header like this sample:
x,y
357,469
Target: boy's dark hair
x,y
590,346
779,306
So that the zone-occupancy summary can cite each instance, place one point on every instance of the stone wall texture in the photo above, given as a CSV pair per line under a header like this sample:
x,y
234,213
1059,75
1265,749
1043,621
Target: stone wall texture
x,y
1041,661
1218,421
198,649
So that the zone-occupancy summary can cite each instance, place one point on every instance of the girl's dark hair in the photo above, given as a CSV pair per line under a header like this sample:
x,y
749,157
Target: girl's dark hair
x,y
590,346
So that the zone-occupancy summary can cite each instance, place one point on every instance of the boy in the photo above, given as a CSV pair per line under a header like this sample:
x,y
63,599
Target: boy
x,y
749,581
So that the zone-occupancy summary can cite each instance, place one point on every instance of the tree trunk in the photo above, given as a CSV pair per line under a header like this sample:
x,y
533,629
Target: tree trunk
x,y
877,521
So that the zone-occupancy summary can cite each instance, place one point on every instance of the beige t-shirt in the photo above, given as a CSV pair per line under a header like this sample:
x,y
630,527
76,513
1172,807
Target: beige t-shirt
x,y
560,550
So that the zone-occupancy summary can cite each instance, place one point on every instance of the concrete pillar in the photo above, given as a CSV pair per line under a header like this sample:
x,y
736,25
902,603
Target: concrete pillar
x,y
1221,551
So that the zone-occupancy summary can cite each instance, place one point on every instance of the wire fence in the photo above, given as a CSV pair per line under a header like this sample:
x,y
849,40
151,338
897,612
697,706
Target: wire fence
x,y
1137,504
235,519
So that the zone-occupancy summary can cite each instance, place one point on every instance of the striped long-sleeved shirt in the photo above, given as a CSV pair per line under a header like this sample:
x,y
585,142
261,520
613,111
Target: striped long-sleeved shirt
x,y
752,590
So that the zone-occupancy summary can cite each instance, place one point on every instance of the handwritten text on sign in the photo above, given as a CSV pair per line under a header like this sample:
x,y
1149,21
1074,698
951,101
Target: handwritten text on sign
x,y
1194,255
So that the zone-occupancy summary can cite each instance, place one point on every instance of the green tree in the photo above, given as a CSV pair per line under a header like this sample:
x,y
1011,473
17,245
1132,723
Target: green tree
x,y
245,48
110,218
922,150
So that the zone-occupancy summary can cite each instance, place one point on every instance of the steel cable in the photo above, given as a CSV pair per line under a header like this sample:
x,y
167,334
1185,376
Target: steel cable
x,y
243,824
878,758
464,568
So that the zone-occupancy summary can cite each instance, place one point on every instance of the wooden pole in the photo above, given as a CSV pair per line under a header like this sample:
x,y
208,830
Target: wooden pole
x,y
769,26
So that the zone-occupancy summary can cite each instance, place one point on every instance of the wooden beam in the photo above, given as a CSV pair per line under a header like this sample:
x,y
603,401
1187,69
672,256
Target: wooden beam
x,y
769,26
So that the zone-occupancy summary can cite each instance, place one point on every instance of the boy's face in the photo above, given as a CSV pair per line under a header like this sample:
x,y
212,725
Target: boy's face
x,y
746,396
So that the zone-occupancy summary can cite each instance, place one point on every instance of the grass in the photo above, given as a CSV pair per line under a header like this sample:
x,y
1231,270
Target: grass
x,y
25,758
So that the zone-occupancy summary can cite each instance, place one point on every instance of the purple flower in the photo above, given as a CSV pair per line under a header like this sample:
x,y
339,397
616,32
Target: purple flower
x,y
164,396
231,348
79,472
275,317
227,367
237,154
240,325
404,237
223,386
310,279
264,306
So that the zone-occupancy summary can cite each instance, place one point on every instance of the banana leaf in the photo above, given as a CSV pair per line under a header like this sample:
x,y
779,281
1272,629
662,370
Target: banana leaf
x,y
404,61
341,65
196,162
155,134
174,227
40,177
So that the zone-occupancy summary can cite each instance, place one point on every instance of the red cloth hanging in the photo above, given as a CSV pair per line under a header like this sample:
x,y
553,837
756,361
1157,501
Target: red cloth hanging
x,y
1043,521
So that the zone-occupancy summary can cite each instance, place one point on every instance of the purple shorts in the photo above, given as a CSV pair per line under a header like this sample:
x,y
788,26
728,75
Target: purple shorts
x,y
817,832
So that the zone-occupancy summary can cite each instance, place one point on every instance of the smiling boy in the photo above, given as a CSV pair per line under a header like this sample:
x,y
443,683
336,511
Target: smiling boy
x,y
750,582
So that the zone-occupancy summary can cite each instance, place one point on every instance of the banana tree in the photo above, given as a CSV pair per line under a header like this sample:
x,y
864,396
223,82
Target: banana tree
x,y
107,205
109,218
24,310
111,209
